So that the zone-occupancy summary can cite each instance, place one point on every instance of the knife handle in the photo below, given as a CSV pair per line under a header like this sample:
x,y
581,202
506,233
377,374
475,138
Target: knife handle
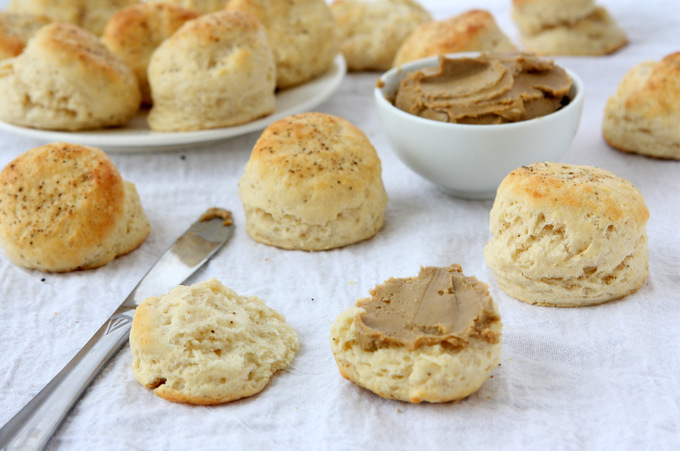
x,y
32,427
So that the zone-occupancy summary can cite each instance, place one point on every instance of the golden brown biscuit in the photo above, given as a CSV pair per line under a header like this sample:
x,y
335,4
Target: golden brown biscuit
x,y
313,182
16,29
301,34
91,15
65,79
473,31
205,344
135,32
371,31
215,71
65,207
643,115
566,235
200,6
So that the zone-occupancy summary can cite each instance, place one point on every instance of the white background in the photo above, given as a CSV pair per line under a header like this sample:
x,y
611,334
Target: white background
x,y
605,377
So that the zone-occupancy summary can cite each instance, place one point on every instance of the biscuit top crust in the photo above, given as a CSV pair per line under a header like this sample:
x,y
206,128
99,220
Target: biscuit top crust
x,y
137,29
211,28
71,45
60,193
462,28
549,185
440,306
658,87
315,159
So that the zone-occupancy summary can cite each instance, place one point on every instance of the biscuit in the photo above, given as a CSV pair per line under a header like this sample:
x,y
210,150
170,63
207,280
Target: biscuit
x,y
133,34
65,207
567,236
532,16
301,33
596,34
643,115
313,182
472,31
435,370
215,71
16,29
199,6
205,344
371,32
65,79
91,15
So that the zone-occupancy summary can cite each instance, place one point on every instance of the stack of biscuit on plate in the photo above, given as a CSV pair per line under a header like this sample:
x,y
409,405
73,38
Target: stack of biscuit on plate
x,y
199,65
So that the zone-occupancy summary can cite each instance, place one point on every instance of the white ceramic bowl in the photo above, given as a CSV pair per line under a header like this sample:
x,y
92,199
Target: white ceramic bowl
x,y
471,160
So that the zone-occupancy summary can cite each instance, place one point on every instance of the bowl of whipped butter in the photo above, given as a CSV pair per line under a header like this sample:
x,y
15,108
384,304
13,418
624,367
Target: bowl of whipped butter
x,y
465,120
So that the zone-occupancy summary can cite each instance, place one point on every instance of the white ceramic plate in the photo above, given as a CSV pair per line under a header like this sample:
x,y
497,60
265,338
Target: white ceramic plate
x,y
136,136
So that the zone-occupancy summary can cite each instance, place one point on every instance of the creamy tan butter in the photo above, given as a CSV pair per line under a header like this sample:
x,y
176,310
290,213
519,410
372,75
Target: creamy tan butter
x,y
440,306
490,89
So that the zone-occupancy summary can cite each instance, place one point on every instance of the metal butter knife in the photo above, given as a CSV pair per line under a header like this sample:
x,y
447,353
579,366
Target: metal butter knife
x,y
32,427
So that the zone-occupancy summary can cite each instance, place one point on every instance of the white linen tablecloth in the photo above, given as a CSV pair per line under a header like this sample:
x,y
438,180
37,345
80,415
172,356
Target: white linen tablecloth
x,y
604,377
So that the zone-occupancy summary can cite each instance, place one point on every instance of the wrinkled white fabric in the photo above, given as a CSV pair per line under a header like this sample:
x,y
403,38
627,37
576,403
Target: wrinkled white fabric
x,y
604,377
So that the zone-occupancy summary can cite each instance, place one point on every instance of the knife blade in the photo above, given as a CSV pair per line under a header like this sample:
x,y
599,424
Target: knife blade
x,y
32,426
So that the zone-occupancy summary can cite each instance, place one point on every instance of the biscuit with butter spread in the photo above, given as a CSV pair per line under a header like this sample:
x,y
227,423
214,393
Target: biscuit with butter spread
x,y
435,337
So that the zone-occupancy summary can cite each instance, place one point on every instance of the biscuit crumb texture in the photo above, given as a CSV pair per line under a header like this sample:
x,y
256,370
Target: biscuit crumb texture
x,y
567,235
432,373
205,344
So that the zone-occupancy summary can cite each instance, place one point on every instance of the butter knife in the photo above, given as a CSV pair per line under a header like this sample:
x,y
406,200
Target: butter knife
x,y
32,427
